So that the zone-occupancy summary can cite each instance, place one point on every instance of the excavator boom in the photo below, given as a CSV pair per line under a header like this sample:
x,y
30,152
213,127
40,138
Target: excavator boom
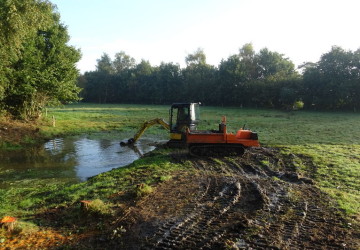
x,y
146,125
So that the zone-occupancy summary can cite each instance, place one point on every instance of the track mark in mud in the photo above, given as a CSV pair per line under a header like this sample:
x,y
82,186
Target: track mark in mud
x,y
207,212
256,201
210,217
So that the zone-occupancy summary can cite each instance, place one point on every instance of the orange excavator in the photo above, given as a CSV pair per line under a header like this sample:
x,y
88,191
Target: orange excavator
x,y
184,118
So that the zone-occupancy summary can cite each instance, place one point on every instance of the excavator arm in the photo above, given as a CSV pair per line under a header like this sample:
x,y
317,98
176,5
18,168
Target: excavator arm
x,y
146,125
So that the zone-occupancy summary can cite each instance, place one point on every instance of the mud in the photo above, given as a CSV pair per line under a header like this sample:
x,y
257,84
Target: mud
x,y
257,201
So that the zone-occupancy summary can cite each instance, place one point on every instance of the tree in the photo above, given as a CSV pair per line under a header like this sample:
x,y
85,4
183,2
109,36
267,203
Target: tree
x,y
197,58
168,86
123,62
334,81
199,78
274,65
105,65
43,71
19,20
142,83
250,78
248,62
232,75
102,78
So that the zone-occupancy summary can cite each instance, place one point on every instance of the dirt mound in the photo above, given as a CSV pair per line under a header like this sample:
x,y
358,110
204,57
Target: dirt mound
x,y
253,202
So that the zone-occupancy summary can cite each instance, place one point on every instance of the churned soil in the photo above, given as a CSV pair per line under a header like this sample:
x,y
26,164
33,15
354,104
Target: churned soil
x,y
257,201
238,203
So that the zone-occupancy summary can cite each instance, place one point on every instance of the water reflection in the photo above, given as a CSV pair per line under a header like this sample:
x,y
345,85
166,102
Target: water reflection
x,y
73,159
95,156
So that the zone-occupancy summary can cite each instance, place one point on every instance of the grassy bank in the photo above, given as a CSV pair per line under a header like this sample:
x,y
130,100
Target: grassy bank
x,y
330,141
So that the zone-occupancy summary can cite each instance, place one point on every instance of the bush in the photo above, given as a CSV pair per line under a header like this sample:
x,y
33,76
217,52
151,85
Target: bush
x,y
298,105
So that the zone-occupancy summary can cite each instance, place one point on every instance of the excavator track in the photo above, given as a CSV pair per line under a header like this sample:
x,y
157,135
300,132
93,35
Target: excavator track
x,y
216,149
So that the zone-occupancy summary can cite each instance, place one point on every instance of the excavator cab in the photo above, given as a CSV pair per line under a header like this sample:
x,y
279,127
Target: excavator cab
x,y
183,116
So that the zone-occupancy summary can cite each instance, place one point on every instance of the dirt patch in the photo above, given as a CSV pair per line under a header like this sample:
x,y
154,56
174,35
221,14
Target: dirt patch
x,y
15,132
257,201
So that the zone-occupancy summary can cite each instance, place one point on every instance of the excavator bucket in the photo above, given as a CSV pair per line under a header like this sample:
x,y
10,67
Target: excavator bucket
x,y
131,141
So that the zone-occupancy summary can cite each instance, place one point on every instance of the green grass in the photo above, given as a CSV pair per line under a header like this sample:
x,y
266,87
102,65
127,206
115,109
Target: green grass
x,y
24,200
274,127
330,140
85,118
336,170
98,207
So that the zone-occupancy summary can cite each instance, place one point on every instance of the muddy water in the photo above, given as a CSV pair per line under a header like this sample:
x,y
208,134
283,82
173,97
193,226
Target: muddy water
x,y
71,159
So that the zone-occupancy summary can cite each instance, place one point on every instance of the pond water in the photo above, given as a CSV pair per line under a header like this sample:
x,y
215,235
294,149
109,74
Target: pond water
x,y
73,159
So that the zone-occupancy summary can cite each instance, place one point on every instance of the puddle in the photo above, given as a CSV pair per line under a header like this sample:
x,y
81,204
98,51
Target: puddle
x,y
71,159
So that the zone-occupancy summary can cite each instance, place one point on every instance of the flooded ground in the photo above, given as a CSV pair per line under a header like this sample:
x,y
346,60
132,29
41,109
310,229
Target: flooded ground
x,y
71,159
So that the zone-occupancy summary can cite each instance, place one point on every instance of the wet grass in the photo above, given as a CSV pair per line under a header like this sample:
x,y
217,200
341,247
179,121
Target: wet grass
x,y
329,140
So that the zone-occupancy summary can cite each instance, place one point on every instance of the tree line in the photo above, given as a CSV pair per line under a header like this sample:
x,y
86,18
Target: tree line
x,y
37,67
248,78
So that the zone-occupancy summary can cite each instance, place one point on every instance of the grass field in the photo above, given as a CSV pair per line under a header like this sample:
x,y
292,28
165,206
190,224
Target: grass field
x,y
330,139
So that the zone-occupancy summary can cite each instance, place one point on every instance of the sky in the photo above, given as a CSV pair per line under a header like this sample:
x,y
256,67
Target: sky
x,y
169,30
